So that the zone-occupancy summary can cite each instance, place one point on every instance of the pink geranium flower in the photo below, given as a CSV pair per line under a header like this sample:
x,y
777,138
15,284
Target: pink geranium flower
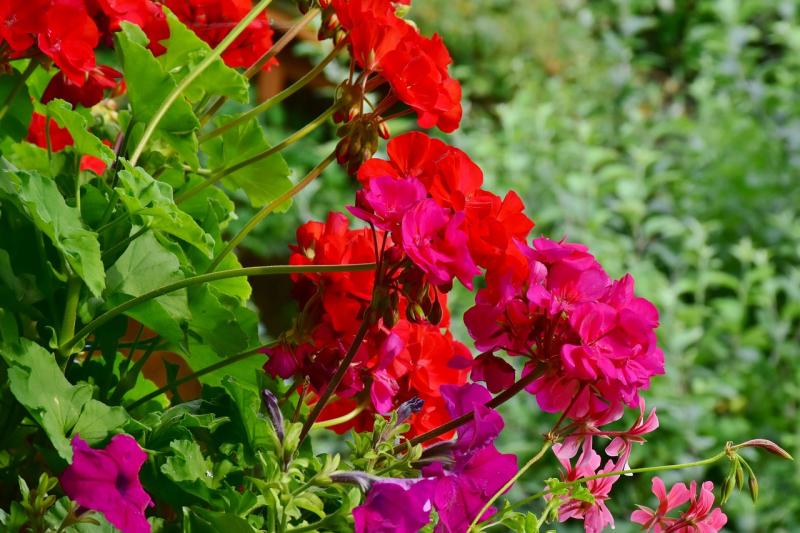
x,y
434,238
698,518
107,481
595,515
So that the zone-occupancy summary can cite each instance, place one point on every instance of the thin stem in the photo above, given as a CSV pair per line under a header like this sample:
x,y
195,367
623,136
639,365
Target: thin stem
x,y
216,177
185,82
340,419
337,378
546,446
202,372
70,312
269,208
17,87
498,400
281,43
278,98
276,48
269,270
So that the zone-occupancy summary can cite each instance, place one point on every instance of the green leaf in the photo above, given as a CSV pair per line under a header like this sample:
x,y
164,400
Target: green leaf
x,y
60,408
217,323
152,200
85,143
185,51
198,520
144,266
262,181
15,122
40,199
149,85
30,157
187,463
256,428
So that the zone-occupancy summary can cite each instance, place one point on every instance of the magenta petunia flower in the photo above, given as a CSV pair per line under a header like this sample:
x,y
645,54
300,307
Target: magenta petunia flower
x,y
107,481
457,491
394,506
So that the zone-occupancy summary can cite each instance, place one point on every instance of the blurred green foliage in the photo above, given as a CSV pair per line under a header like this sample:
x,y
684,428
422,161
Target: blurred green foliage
x,y
664,134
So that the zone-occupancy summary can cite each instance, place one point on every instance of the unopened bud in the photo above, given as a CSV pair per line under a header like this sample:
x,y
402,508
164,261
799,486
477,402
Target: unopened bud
x,y
752,483
768,445
727,488
408,408
274,411
739,476
435,314
383,130
362,480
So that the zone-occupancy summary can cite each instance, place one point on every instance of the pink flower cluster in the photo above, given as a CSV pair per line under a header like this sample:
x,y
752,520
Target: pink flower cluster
x,y
588,338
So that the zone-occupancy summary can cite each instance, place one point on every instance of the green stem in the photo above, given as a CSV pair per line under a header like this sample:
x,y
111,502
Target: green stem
x,y
269,270
291,139
340,419
546,446
276,48
278,98
269,208
642,470
17,87
333,384
185,82
70,313
202,372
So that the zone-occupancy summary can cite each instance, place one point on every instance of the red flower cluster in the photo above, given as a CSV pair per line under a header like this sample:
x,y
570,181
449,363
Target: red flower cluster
x,y
399,358
428,196
590,340
416,67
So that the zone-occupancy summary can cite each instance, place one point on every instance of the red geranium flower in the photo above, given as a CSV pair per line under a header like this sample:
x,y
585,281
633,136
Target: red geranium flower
x,y
20,21
100,79
69,37
37,134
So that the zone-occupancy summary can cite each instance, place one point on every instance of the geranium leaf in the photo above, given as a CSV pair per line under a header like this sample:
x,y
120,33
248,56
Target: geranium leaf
x,y
148,85
146,265
85,143
14,123
152,200
60,408
262,181
185,50
40,199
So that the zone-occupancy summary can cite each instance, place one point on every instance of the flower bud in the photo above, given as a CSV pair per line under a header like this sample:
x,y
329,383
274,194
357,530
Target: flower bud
x,y
752,483
274,411
362,480
435,314
408,408
727,488
767,445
